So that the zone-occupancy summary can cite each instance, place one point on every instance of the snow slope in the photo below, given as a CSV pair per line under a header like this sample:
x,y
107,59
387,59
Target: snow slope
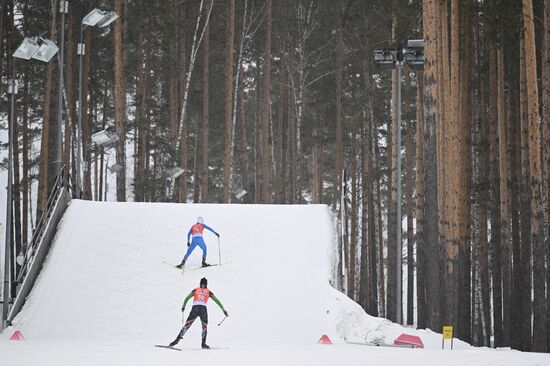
x,y
105,296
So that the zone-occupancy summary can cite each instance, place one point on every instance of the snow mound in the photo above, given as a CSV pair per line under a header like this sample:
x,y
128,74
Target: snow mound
x,y
106,273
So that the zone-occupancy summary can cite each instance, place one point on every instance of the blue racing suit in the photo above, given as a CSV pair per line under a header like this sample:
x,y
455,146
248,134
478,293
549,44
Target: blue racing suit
x,y
196,232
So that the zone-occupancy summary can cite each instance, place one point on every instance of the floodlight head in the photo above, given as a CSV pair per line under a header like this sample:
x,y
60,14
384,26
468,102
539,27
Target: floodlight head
x,y
239,193
46,51
104,137
415,43
115,168
27,48
101,18
174,172
385,56
36,47
110,17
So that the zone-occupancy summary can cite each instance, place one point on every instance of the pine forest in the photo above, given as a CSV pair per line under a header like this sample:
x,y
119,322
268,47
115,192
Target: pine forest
x,y
436,164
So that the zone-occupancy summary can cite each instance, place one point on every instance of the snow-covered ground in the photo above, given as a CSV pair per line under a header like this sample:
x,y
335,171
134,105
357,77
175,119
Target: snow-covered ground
x,y
105,297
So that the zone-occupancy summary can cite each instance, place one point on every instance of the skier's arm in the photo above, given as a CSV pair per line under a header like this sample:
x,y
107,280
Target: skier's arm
x,y
218,302
189,235
212,230
187,299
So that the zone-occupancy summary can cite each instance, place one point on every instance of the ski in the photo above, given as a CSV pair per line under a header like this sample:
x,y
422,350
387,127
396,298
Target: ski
x,y
189,269
170,264
172,348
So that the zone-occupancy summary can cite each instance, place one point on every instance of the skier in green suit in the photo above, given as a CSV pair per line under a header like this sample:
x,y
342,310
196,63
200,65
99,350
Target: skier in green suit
x,y
200,297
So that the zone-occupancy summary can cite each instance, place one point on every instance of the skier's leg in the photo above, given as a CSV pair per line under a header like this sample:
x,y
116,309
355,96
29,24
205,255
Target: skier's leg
x,y
204,320
202,245
189,251
190,319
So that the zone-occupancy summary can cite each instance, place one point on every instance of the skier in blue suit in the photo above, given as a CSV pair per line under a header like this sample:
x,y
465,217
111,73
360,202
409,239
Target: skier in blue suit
x,y
196,232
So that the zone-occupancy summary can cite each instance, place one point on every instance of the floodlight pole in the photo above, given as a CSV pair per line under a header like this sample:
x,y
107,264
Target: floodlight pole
x,y
9,207
63,8
399,249
400,57
81,50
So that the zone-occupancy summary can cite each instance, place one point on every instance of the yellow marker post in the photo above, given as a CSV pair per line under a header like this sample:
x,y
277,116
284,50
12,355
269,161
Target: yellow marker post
x,y
447,334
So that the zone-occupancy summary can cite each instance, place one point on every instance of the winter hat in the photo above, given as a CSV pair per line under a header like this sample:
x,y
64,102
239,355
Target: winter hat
x,y
204,282
200,220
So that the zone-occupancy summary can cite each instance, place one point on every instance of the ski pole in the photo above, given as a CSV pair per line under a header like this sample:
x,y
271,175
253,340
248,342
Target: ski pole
x,y
219,251
220,323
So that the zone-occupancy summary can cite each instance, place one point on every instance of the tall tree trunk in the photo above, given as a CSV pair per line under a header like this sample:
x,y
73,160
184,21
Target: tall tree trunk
x,y
431,108
451,171
484,198
546,153
265,182
141,117
368,295
281,127
537,224
339,160
16,189
505,237
513,125
495,199
228,153
420,221
353,219
45,166
242,135
257,139
465,174
173,83
120,103
525,208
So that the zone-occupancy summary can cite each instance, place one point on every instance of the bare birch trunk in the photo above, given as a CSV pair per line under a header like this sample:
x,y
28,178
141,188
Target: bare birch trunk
x,y
205,116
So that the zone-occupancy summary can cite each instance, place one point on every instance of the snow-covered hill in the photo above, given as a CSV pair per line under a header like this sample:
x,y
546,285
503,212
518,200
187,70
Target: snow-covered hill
x,y
105,296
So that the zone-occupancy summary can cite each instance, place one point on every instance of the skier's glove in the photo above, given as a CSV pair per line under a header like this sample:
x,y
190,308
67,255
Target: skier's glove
x,y
183,309
218,235
188,244
225,313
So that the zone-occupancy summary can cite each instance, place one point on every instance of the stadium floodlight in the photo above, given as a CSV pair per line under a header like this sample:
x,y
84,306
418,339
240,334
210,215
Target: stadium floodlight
x,y
174,172
105,137
36,47
100,18
239,193
415,43
385,59
115,168
414,54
